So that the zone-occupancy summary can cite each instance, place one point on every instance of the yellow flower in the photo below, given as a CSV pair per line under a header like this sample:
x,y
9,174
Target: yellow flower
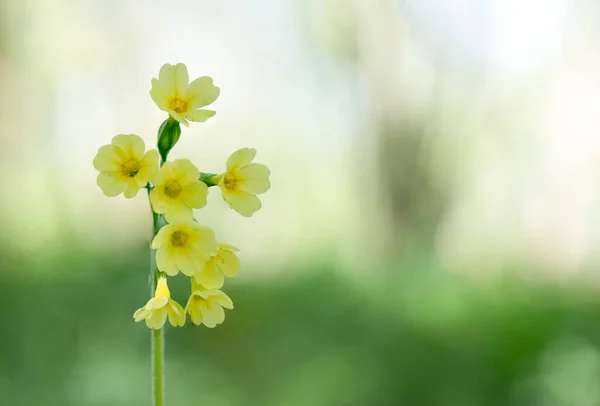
x,y
159,307
242,181
178,190
123,166
225,262
172,93
184,246
206,306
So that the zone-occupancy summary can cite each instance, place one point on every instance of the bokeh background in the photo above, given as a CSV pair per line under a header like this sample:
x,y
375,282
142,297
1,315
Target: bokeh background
x,y
430,238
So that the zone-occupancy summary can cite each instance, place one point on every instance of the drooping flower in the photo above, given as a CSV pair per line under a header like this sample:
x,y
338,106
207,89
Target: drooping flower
x,y
173,93
124,167
159,307
206,306
242,181
225,262
184,246
178,190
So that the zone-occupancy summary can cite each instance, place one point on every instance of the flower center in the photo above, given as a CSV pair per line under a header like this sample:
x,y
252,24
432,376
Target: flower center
x,y
178,105
229,181
130,168
178,238
172,189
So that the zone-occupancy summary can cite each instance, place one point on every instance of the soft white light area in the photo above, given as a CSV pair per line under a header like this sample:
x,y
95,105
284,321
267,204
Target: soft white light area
x,y
525,35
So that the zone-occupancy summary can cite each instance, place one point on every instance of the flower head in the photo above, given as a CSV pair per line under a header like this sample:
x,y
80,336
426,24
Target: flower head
x,y
178,190
242,181
184,246
225,262
173,93
159,307
124,167
206,306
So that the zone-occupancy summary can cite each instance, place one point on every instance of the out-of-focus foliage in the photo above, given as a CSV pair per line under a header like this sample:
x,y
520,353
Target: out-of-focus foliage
x,y
317,338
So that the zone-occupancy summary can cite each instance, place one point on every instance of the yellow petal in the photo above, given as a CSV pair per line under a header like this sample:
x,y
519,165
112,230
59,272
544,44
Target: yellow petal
x,y
222,299
157,319
185,171
107,159
174,79
202,92
165,262
110,184
242,202
177,212
200,116
212,313
149,166
179,118
141,314
157,303
132,144
163,237
188,262
230,265
240,157
210,277
194,310
194,195
254,178
132,188
158,94
176,314
166,172
158,200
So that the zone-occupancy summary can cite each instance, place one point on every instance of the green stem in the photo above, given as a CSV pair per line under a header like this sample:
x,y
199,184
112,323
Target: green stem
x,y
158,367
157,351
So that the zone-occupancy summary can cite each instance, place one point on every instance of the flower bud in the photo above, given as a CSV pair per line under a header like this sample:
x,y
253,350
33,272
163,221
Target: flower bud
x,y
168,135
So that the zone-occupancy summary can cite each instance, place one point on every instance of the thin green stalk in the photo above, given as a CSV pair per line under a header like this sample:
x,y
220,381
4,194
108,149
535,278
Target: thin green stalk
x,y
158,367
157,351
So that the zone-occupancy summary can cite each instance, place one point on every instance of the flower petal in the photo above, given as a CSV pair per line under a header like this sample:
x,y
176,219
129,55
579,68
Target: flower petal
x,y
185,171
230,265
163,237
194,195
157,319
200,116
165,262
158,94
254,178
177,211
133,187
149,166
141,314
242,202
202,92
110,184
240,157
159,201
176,314
107,159
210,277
188,263
157,303
212,313
222,299
132,144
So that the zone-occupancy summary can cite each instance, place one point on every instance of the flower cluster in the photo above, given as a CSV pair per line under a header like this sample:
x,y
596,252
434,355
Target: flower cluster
x,y
175,189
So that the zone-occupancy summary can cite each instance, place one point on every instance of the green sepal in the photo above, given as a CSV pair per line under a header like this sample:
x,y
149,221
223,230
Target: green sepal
x,y
209,179
168,135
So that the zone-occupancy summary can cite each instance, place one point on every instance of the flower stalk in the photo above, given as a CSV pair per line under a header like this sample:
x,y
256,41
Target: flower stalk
x,y
175,189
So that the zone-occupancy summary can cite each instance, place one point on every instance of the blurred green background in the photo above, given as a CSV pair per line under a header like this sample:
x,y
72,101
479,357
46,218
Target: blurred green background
x,y
430,237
